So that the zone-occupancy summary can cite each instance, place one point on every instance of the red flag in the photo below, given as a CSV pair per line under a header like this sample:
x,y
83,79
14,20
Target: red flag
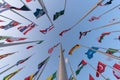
x,y
28,0
1,21
100,68
29,47
64,31
12,39
115,72
51,49
90,77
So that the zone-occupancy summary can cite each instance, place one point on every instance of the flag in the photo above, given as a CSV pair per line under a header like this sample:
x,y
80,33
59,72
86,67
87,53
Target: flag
x,y
71,77
100,68
12,39
44,31
90,77
26,29
29,77
28,0
12,74
51,49
5,55
10,25
4,7
38,13
90,52
111,51
51,77
102,36
3,37
64,31
58,14
73,48
23,8
22,61
80,66
2,21
109,2
43,62
116,72
93,18
83,34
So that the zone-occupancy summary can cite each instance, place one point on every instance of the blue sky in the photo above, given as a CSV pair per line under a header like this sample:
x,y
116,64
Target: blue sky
x,y
74,11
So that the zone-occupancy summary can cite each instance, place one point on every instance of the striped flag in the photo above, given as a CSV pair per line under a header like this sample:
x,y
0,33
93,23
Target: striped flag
x,y
10,25
12,74
26,29
12,39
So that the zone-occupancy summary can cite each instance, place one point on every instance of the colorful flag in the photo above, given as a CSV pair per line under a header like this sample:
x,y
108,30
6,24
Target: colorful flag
x,y
90,52
73,48
12,74
52,77
43,62
80,66
102,36
3,37
116,72
58,14
90,77
51,49
23,8
100,68
83,34
12,39
44,31
111,51
22,61
39,12
5,55
26,29
71,77
29,77
10,25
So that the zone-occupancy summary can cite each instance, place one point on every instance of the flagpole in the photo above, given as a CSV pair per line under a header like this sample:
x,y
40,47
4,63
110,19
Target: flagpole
x,y
40,72
97,71
71,70
7,17
23,16
46,12
112,56
62,72
19,43
4,66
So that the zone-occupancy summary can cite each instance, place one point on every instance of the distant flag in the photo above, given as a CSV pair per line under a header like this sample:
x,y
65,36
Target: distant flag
x,y
90,52
12,39
52,48
10,25
44,31
94,18
38,13
6,55
80,66
58,14
12,74
23,8
102,36
52,77
2,21
83,34
71,77
111,51
22,60
26,29
109,2
28,0
100,68
73,48
116,73
64,31
28,47
4,37
91,77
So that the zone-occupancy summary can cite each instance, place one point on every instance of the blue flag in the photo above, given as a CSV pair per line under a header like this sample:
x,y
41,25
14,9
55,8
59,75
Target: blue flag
x,y
39,12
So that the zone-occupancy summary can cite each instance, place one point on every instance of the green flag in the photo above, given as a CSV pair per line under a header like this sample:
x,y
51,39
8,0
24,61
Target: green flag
x,y
111,50
57,14
51,77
